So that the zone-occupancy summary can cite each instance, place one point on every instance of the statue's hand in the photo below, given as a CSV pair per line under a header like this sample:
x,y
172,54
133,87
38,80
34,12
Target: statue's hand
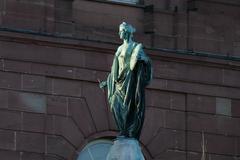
x,y
103,84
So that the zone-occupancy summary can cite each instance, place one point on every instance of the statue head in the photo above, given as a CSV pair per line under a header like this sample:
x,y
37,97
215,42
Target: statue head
x,y
126,31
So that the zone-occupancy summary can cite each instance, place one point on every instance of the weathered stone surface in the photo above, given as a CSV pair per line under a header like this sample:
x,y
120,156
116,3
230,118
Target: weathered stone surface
x,y
58,146
33,142
8,140
49,85
82,115
33,122
169,139
57,105
10,80
27,102
10,120
9,155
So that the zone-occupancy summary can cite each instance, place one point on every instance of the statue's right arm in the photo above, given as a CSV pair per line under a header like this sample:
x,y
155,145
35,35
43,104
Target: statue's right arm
x,y
104,84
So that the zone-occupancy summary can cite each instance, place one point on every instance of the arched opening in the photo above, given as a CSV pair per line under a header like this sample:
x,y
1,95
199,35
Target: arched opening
x,y
96,150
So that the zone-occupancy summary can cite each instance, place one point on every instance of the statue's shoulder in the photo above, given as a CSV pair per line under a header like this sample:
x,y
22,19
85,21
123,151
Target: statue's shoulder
x,y
138,44
118,50
138,48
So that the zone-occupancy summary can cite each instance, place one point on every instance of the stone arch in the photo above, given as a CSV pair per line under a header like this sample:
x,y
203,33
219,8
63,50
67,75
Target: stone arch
x,y
107,135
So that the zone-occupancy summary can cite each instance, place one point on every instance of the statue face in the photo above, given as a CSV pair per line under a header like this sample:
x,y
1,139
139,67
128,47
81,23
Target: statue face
x,y
123,34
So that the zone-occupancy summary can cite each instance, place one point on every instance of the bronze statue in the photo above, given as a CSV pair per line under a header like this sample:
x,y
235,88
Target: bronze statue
x,y
131,71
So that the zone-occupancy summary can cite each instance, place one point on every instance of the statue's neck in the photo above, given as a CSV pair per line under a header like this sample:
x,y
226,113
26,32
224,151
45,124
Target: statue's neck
x,y
127,42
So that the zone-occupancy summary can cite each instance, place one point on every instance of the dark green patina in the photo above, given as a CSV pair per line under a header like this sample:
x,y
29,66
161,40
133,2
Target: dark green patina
x,y
131,71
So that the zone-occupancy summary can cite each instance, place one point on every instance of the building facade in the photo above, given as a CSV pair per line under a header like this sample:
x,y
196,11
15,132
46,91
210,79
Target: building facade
x,y
53,52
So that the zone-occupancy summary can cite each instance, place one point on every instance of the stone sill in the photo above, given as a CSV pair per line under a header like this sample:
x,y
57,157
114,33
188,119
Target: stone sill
x,y
119,3
109,48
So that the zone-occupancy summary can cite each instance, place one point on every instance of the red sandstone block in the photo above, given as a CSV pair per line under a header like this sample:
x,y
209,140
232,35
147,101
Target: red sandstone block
x,y
96,101
32,156
231,77
163,23
3,99
1,19
66,127
96,13
85,74
10,80
51,157
58,146
236,51
17,66
221,157
50,124
164,99
175,119
181,42
171,155
238,145
57,105
157,98
42,54
228,125
194,141
158,5
194,155
205,32
177,101
205,122
1,60
194,88
82,115
27,102
180,71
16,20
71,57
33,122
197,19
154,120
163,41
166,140
7,140
181,23
98,61
10,120
64,28
214,124
67,87
53,70
50,24
31,142
225,145
93,34
63,12
9,155
235,108
36,83
30,8
205,45
200,103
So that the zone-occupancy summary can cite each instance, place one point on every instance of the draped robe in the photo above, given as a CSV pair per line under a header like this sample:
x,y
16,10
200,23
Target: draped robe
x,y
126,93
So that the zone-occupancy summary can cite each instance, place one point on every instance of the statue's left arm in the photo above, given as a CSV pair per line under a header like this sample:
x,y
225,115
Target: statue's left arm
x,y
139,55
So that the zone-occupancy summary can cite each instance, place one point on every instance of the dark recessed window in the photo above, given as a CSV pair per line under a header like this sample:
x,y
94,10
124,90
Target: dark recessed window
x,y
96,150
